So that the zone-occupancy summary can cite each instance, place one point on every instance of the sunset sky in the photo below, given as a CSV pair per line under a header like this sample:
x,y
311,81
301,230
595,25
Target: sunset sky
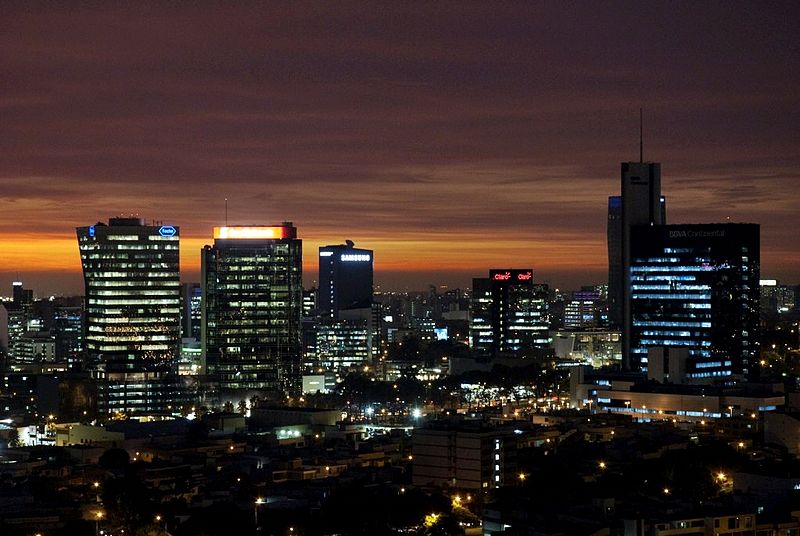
x,y
449,137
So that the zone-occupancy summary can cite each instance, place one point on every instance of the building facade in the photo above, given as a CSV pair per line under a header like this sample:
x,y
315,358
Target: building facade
x,y
581,311
464,456
640,203
696,287
252,308
509,313
345,279
344,336
131,275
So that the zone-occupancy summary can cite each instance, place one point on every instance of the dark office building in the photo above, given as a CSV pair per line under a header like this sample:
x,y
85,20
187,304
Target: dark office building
x,y
131,273
252,308
191,310
614,233
509,313
696,287
345,279
640,204
68,332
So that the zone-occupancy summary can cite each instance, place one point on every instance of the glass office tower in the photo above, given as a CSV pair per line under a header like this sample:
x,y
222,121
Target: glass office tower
x,y
509,313
696,287
252,308
131,274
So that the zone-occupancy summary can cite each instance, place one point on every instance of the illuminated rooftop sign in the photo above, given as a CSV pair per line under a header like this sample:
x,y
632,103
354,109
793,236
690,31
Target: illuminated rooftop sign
x,y
325,253
252,233
167,230
511,275
355,257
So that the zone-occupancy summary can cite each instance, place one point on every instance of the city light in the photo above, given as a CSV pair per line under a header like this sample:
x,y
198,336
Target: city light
x,y
250,233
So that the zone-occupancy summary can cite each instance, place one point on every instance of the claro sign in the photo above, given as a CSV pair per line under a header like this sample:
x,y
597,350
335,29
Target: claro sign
x,y
511,275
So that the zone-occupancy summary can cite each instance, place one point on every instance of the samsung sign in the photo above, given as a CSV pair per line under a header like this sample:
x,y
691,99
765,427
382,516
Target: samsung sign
x,y
355,257
167,230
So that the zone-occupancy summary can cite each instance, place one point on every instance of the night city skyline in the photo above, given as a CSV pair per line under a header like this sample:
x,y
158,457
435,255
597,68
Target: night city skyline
x,y
448,141
443,268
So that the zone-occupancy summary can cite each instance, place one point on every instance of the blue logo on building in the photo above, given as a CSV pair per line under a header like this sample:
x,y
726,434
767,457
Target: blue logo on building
x,y
91,230
167,230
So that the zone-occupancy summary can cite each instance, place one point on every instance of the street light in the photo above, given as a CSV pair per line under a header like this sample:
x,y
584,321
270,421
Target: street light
x,y
259,502
158,520
97,517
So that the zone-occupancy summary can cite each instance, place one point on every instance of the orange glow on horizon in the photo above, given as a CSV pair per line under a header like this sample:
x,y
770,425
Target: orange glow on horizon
x,y
42,253
463,255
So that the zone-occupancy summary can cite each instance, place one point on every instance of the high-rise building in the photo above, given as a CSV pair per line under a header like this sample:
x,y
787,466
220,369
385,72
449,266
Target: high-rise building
x,y
22,297
342,345
252,308
509,313
131,274
696,287
345,332
614,234
481,332
581,311
191,310
345,279
640,204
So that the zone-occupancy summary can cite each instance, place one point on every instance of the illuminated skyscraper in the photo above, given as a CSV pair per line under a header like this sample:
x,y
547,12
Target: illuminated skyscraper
x,y
509,313
696,287
131,273
252,308
345,332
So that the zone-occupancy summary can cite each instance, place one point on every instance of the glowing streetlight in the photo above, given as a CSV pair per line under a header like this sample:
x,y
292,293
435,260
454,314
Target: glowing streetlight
x,y
602,465
259,501
97,517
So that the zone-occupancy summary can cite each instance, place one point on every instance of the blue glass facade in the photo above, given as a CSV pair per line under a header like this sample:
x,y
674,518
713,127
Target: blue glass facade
x,y
696,286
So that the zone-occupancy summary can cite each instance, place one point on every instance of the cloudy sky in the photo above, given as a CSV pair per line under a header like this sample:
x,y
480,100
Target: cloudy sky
x,y
449,137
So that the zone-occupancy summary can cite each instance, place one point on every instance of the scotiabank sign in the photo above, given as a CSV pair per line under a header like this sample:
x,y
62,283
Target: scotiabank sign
x,y
511,276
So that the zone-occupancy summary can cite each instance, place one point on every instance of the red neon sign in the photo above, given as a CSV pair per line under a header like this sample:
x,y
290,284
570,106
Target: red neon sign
x,y
527,276
502,277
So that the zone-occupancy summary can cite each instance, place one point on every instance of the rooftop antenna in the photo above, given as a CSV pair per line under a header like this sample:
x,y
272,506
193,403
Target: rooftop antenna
x,y
641,138
226,212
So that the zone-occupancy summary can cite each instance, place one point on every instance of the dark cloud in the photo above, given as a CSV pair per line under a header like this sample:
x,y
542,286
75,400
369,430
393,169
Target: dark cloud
x,y
421,127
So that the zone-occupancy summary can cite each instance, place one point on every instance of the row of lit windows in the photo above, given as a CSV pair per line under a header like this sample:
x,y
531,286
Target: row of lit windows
x,y
117,348
671,324
133,284
673,342
131,292
134,338
105,312
134,276
700,296
704,268
132,301
95,267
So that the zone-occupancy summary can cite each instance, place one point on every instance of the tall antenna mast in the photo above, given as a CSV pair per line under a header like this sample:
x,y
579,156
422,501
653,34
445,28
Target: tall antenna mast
x,y
226,212
641,138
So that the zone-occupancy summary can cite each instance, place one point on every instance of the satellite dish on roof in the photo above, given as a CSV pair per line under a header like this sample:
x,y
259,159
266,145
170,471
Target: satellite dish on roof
x,y
349,243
